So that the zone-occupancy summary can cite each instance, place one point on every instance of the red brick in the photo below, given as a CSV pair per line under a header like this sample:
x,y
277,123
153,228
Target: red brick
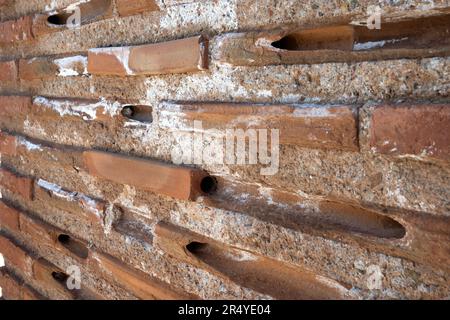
x,y
328,127
420,130
177,182
7,144
37,231
130,7
37,68
420,37
179,56
22,186
46,273
10,106
45,67
91,11
16,30
135,281
9,217
15,257
11,289
8,71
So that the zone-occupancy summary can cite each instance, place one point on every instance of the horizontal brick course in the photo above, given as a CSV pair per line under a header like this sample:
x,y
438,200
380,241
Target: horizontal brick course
x,y
420,130
46,67
11,106
178,56
7,144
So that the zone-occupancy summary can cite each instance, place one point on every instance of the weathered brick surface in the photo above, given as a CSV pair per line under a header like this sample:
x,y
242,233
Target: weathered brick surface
x,y
22,186
9,218
15,257
332,127
10,287
47,67
178,182
16,30
7,144
10,106
178,56
419,130
140,284
130,7
8,71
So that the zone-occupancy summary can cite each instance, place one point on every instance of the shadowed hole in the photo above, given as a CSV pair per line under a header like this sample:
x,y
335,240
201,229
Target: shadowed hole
x,y
138,113
60,276
73,246
208,185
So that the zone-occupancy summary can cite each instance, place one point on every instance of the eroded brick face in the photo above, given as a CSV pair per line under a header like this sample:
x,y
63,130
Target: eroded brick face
x,y
420,130
8,71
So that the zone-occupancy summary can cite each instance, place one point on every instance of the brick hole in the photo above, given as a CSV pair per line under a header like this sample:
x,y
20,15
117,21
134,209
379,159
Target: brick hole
x,y
138,113
58,19
89,11
208,185
195,247
74,246
60,277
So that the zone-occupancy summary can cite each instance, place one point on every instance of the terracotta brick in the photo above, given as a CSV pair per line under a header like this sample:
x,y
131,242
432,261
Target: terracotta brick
x,y
130,7
44,67
15,257
22,186
329,127
10,106
8,71
16,30
38,231
51,277
416,38
135,281
7,144
37,68
9,217
179,56
91,11
177,182
420,130
11,289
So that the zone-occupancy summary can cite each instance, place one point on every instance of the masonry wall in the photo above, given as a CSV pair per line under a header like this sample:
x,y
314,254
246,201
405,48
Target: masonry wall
x,y
94,121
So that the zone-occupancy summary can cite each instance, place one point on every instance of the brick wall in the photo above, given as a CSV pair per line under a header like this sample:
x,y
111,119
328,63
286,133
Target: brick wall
x,y
114,164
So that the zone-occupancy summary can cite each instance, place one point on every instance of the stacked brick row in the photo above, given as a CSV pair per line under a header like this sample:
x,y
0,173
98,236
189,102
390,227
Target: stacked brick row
x,y
82,185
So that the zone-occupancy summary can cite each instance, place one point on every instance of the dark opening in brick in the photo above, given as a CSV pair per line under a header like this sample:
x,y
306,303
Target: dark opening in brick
x,y
208,185
73,246
138,113
89,11
60,277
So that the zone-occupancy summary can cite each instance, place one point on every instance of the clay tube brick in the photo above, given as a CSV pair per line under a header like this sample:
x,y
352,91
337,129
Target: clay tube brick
x,y
177,182
51,277
418,130
413,38
8,71
22,186
137,282
91,11
130,7
16,30
179,56
325,127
